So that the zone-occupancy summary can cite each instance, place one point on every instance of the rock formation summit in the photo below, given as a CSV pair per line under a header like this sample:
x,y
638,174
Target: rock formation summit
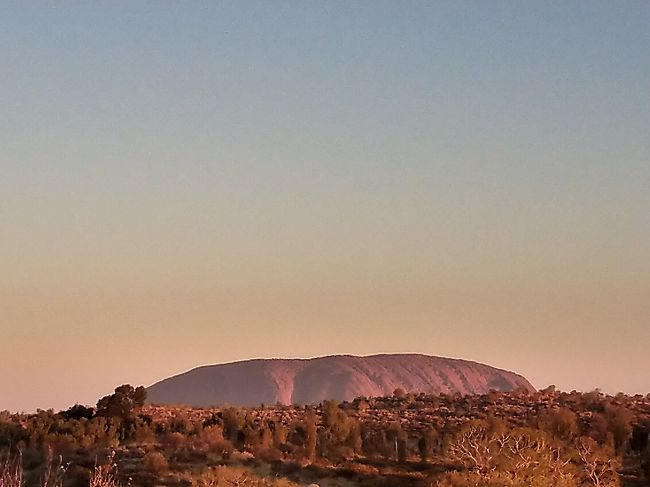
x,y
339,377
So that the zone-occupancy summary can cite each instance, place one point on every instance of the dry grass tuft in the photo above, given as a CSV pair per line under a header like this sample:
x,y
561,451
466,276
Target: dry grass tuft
x,y
105,475
11,472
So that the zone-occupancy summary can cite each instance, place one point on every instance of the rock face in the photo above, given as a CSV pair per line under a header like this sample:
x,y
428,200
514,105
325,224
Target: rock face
x,y
340,377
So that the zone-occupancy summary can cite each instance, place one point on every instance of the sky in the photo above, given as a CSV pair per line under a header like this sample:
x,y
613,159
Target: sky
x,y
189,183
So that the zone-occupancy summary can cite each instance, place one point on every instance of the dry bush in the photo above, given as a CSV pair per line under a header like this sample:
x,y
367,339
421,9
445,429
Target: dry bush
x,y
53,472
225,476
155,463
487,448
270,454
528,457
175,442
598,464
105,475
209,437
12,472
211,440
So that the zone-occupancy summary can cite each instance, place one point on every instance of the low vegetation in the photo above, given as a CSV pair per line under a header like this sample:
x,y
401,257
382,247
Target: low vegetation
x,y
542,439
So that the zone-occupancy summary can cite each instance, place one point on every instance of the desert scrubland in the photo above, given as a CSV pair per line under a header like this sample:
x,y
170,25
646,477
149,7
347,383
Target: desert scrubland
x,y
518,438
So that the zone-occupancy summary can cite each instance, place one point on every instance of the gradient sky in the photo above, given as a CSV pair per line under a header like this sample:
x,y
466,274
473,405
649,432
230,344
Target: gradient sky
x,y
185,183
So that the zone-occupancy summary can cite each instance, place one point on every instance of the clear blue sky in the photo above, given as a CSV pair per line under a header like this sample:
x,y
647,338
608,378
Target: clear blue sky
x,y
189,183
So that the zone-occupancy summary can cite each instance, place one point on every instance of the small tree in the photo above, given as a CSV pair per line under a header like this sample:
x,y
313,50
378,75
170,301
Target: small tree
x,y
122,402
620,425
562,423
77,412
311,434
426,443
234,420
398,440
399,393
